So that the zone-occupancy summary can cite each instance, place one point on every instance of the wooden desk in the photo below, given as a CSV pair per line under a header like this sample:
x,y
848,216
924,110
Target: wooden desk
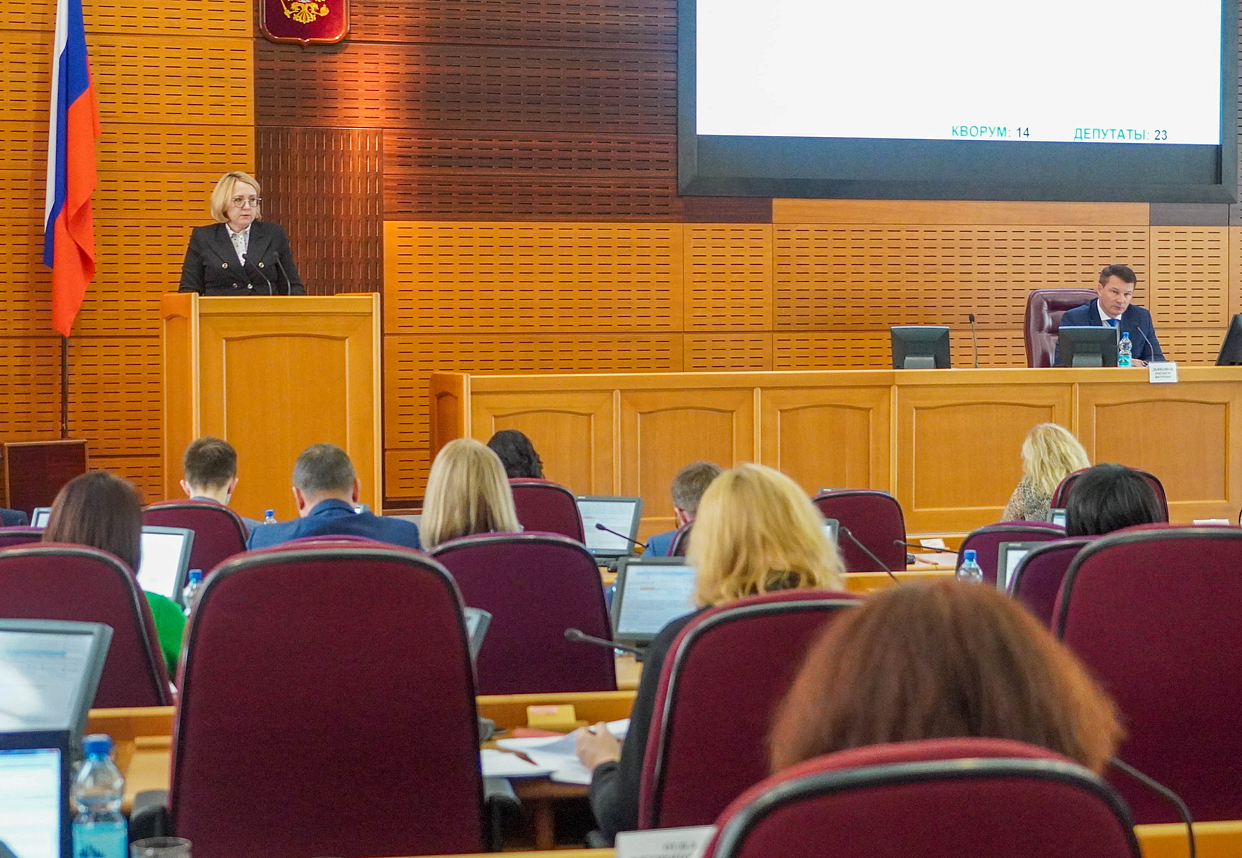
x,y
946,443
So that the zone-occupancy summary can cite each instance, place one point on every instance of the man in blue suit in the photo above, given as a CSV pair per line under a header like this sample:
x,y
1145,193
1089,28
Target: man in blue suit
x,y
688,486
1113,308
326,487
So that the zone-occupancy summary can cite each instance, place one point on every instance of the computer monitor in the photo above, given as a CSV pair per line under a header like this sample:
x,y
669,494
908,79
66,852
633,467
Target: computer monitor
x,y
1087,345
40,516
615,513
650,593
49,670
1008,557
35,819
920,346
1056,515
165,560
831,529
477,621
1231,346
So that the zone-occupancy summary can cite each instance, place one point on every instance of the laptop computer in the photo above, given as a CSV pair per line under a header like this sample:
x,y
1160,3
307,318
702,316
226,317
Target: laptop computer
x,y
650,593
165,560
39,517
615,513
477,621
1057,517
1009,555
831,528
49,671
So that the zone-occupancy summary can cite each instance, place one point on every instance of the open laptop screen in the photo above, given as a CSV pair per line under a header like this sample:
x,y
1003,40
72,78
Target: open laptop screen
x,y
615,513
49,671
1057,517
40,516
165,560
33,808
651,592
1010,554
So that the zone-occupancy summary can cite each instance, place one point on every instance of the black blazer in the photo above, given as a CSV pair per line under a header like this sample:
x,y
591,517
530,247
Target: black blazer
x,y
211,265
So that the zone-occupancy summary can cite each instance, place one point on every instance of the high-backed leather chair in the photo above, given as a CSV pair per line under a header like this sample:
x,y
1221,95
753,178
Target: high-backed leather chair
x,y
1044,309
546,507
219,533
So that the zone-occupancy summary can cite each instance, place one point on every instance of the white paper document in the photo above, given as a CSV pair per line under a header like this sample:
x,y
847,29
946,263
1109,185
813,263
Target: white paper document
x,y
556,754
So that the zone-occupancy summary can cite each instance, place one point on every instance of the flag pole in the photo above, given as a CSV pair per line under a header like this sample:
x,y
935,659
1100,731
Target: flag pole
x,y
64,387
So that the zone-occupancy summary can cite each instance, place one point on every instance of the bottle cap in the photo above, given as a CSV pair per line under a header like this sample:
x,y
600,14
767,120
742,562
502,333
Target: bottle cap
x,y
270,512
196,574
97,745
970,555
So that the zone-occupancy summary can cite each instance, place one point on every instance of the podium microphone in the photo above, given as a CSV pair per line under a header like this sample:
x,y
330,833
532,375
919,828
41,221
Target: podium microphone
x,y
579,636
865,550
1150,347
289,284
1164,792
250,266
974,336
641,545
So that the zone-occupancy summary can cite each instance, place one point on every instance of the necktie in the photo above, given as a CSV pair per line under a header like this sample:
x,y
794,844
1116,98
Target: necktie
x,y
1112,323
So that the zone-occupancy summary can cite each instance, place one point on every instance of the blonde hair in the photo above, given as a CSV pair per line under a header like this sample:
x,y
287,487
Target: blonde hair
x,y
467,493
1049,453
757,531
223,193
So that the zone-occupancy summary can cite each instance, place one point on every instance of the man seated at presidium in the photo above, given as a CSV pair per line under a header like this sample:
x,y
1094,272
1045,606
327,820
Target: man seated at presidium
x,y
239,254
209,473
1113,308
688,486
326,487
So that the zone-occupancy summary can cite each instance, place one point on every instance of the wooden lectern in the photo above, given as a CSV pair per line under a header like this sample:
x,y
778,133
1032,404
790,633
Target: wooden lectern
x,y
273,376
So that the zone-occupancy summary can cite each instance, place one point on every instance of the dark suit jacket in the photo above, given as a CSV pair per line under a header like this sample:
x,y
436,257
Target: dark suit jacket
x,y
211,265
335,517
13,518
1135,321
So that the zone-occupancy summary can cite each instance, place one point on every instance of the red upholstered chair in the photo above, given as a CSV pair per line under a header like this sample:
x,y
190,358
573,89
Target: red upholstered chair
x,y
1066,485
10,536
934,798
535,585
1037,580
1154,614
547,507
1044,309
327,708
219,533
722,679
986,540
52,581
681,541
875,519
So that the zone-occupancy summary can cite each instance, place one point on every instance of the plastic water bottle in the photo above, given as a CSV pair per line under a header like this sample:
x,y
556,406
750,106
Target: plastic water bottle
x,y
191,585
99,828
969,570
269,517
1124,349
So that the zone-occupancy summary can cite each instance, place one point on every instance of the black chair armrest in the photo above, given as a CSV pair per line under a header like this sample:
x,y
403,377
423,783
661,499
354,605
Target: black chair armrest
x,y
149,815
500,803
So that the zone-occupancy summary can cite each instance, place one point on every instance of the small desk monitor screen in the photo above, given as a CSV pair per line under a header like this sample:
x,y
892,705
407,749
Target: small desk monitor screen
x,y
1087,345
40,516
165,560
1231,347
831,526
477,621
1009,556
920,346
619,514
650,594
49,671
1057,517
32,802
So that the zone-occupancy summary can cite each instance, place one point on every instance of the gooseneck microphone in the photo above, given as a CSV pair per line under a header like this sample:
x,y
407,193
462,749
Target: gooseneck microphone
x,y
641,545
865,550
901,543
1150,347
974,336
579,636
250,266
280,269
1164,792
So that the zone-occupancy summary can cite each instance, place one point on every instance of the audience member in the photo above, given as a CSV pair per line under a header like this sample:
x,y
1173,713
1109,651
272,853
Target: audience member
x,y
326,489
688,486
209,473
1107,498
942,660
1049,453
756,531
467,493
103,511
517,454
13,518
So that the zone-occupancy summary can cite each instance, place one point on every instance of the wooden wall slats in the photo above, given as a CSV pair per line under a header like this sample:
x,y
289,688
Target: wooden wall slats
x,y
1190,263
496,196
220,19
551,153
143,471
959,213
733,352
30,380
728,277
114,394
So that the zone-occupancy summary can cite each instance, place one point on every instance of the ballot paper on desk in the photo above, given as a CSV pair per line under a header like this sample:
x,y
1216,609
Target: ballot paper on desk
x,y
498,764
556,754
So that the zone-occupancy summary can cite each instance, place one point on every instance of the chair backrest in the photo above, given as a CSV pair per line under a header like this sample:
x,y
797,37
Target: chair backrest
x,y
722,679
327,708
535,585
936,798
986,540
681,541
547,507
1063,489
219,533
875,519
54,581
1154,614
1044,309
10,536
1037,580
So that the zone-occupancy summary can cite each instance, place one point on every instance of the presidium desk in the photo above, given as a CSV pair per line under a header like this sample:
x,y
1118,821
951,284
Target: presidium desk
x,y
946,443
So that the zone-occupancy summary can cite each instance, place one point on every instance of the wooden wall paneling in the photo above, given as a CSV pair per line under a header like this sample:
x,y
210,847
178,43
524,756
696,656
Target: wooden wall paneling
x,y
730,352
1190,345
25,75
728,277
574,432
25,284
662,432
1186,436
205,151
29,384
1235,270
325,186
830,437
146,472
1189,276
959,447
522,197
838,350
959,212
114,394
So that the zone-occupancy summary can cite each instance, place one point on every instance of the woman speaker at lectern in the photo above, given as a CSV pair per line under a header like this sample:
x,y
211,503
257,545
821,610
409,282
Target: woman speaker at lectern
x,y
239,254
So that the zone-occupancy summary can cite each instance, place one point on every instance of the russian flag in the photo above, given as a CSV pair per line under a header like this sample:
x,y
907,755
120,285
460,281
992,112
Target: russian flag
x,y
68,224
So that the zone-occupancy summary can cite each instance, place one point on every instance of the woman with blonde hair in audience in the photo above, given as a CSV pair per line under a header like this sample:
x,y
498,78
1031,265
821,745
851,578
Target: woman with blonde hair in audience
x,y
942,660
756,531
1049,453
467,493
